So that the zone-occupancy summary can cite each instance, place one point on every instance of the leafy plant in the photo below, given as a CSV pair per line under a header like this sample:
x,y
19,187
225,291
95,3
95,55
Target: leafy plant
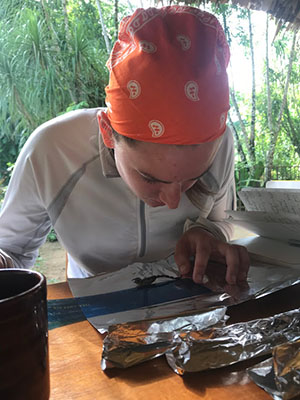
x,y
52,236
52,59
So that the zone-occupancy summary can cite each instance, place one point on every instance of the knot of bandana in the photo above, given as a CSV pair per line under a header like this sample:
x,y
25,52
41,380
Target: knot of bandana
x,y
168,81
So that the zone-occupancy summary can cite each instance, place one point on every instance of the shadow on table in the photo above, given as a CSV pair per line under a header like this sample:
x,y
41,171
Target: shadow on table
x,y
199,382
150,371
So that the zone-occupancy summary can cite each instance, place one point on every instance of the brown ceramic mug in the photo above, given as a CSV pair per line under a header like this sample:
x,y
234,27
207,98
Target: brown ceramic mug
x,y
24,363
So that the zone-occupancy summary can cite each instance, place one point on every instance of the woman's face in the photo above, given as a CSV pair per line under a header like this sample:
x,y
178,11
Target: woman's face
x,y
159,173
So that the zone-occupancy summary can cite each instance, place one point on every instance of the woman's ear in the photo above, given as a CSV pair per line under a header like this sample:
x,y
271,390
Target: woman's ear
x,y
106,130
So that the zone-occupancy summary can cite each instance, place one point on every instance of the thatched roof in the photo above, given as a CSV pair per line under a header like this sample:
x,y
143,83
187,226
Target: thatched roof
x,y
283,10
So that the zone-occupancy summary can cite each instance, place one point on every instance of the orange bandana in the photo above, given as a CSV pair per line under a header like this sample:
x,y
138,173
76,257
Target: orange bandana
x,y
168,81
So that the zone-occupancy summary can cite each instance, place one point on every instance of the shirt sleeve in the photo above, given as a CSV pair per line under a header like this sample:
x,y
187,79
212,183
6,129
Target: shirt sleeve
x,y
24,221
220,180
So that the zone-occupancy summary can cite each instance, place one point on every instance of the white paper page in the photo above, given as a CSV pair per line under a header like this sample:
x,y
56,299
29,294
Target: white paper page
x,y
283,184
272,251
284,232
271,200
262,216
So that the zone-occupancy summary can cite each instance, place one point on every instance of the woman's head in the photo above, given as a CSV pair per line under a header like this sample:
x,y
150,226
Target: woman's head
x,y
168,96
168,82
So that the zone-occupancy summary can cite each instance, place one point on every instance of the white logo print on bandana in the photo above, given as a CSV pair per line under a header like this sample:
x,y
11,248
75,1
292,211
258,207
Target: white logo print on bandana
x,y
191,90
157,128
134,89
185,41
147,47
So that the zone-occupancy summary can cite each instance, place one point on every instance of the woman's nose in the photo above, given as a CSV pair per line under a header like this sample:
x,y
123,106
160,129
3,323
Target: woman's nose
x,y
170,194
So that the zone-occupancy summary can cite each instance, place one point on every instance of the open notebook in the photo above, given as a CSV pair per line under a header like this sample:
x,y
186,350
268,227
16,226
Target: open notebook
x,y
273,214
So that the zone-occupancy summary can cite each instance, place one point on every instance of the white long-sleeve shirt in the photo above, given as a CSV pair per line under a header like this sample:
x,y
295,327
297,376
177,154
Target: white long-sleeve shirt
x,y
66,178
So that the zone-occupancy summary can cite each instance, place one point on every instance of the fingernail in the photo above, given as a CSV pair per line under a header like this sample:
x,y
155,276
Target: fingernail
x,y
184,269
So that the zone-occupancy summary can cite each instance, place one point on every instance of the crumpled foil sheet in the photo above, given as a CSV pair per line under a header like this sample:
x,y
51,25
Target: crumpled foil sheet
x,y
133,343
280,375
221,346
114,298
176,317
198,342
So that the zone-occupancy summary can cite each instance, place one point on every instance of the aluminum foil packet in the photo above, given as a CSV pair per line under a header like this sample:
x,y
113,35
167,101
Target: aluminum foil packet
x,y
280,375
154,291
148,310
197,342
136,342
221,346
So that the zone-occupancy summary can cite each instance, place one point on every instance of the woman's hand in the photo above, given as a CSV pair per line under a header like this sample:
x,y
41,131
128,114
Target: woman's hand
x,y
203,246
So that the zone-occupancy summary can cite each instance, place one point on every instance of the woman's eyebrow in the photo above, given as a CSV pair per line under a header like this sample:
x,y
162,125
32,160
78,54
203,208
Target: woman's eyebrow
x,y
148,176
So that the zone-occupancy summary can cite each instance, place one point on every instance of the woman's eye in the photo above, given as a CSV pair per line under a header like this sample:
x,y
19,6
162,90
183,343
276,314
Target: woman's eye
x,y
149,180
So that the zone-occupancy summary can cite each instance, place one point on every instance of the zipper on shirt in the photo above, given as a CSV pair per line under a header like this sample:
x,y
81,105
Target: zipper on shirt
x,y
142,222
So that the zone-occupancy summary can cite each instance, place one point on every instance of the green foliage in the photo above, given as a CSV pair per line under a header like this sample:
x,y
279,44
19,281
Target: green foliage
x,y
4,181
75,106
50,62
244,178
287,150
52,236
2,191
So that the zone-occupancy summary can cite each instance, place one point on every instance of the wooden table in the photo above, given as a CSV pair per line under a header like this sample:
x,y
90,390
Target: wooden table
x,y
75,355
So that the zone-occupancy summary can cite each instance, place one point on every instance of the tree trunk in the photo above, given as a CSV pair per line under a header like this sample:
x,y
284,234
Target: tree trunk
x,y
238,142
276,128
253,108
104,32
250,149
250,160
116,19
268,77
130,6
66,20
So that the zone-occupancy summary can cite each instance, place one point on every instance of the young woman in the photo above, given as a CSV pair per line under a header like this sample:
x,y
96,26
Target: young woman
x,y
149,176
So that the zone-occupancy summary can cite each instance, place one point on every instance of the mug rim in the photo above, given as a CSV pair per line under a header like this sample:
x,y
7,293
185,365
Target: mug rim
x,y
23,271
